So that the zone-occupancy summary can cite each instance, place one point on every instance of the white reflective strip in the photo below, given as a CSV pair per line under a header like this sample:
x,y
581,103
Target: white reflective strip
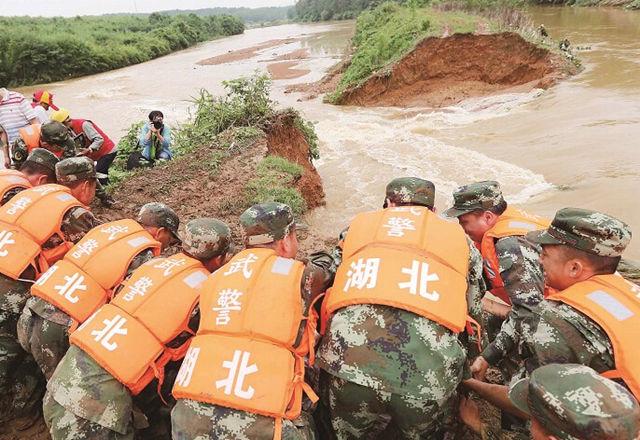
x,y
522,225
610,304
64,197
282,266
195,279
135,242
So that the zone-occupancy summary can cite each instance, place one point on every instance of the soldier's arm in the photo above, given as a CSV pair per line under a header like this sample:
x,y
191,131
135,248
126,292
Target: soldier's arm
x,y
319,273
475,291
524,283
77,222
96,139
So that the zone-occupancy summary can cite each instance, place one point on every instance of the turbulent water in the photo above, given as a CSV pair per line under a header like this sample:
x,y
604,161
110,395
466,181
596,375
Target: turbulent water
x,y
576,144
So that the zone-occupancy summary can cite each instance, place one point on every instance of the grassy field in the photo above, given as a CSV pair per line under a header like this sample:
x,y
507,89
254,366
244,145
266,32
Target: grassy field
x,y
36,50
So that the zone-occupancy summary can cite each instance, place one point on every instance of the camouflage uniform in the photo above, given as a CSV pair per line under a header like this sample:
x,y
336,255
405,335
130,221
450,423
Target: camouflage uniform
x,y
262,224
384,365
43,329
573,402
53,133
562,334
19,380
40,156
83,400
520,271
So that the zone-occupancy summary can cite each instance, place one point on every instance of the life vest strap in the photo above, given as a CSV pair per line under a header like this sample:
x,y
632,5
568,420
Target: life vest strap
x,y
611,374
277,429
474,329
310,329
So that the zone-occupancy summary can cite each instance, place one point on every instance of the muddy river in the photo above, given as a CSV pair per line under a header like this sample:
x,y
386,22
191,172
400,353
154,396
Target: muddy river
x,y
577,144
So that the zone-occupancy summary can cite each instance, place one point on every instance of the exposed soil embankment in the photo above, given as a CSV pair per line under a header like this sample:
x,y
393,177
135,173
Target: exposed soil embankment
x,y
194,185
444,71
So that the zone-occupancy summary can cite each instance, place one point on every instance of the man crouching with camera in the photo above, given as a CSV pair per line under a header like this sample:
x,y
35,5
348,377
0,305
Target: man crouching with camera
x,y
155,139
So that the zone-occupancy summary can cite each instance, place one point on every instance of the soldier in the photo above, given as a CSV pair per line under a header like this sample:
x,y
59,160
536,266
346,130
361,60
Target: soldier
x,y
51,136
38,169
148,323
571,401
50,235
512,270
392,353
263,292
43,328
57,138
593,313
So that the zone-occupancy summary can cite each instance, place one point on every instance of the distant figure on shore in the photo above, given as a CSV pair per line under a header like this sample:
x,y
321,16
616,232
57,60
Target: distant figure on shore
x,y
565,45
41,103
447,31
155,138
542,31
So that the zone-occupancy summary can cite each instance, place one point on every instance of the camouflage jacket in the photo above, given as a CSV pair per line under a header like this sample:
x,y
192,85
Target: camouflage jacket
x,y
48,311
396,351
523,280
230,423
563,335
14,294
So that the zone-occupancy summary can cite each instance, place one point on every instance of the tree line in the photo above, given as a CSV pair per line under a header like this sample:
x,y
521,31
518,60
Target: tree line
x,y
37,50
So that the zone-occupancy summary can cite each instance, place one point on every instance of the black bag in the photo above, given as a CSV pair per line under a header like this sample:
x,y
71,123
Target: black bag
x,y
137,160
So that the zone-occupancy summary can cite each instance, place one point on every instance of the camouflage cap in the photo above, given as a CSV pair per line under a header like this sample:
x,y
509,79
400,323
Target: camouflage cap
x,y
266,222
42,157
572,402
411,190
159,215
74,169
587,230
205,238
479,196
56,134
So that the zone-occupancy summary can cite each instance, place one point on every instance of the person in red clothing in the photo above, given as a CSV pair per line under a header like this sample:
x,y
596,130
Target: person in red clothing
x,y
92,141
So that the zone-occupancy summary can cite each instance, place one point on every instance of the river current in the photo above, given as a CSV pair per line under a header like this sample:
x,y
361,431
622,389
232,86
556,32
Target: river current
x,y
576,144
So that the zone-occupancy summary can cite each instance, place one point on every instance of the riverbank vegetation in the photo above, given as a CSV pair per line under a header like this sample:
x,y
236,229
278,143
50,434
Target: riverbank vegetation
x,y
224,127
38,50
385,34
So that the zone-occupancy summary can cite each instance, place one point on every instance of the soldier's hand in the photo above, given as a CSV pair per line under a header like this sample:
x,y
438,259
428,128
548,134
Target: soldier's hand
x,y
479,368
470,414
83,151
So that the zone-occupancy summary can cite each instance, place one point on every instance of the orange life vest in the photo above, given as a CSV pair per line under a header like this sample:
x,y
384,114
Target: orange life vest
x,y
30,136
614,304
11,179
28,221
404,257
246,354
512,222
85,278
128,337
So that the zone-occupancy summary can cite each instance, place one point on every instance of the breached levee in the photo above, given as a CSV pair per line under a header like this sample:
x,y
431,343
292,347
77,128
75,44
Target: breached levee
x,y
443,71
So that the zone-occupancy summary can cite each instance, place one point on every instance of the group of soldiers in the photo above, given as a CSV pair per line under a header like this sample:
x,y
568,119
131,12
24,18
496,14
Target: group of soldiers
x,y
389,334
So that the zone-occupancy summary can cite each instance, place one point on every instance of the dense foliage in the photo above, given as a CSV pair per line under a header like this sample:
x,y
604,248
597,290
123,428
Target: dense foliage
x,y
36,50
248,15
386,33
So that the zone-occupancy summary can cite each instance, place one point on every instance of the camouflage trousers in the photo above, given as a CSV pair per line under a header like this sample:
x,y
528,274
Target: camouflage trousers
x,y
359,412
191,420
47,341
65,425
511,363
21,383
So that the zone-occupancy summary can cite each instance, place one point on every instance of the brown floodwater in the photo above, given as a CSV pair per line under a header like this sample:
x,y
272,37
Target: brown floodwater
x,y
576,144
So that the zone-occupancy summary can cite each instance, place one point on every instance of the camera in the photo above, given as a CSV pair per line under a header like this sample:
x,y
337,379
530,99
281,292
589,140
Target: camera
x,y
157,124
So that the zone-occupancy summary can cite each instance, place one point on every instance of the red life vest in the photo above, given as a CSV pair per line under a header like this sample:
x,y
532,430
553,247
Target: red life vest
x,y
107,146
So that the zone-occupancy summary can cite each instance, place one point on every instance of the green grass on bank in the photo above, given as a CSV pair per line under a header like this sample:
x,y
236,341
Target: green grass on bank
x,y
38,50
385,34
224,126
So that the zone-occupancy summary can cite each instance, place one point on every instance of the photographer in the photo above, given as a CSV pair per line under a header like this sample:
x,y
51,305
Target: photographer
x,y
155,138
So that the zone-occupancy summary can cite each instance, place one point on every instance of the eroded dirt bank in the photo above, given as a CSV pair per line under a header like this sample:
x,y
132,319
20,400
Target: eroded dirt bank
x,y
199,185
444,71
